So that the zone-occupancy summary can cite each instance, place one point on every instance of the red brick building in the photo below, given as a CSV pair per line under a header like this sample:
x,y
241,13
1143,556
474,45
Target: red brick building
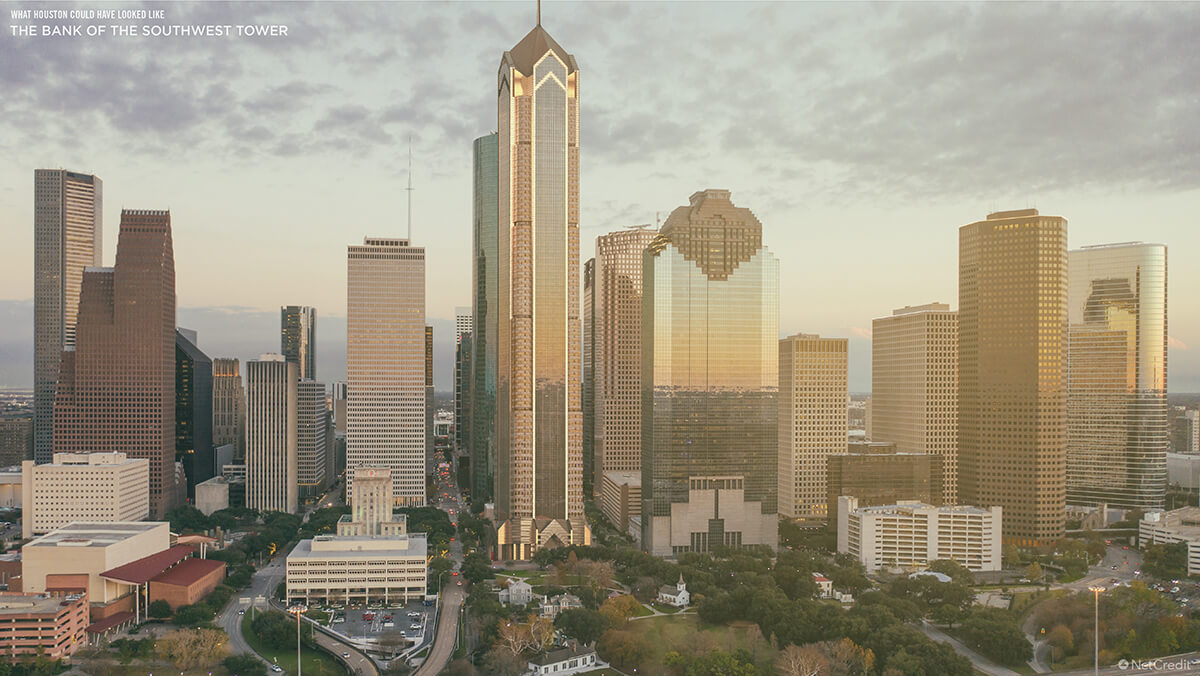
x,y
173,575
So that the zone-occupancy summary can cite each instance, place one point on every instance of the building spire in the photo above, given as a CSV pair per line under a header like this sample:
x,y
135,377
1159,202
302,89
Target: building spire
x,y
409,189
539,12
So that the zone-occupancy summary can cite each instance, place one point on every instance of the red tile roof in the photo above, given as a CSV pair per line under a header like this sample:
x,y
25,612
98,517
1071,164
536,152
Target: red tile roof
x,y
145,569
109,622
188,572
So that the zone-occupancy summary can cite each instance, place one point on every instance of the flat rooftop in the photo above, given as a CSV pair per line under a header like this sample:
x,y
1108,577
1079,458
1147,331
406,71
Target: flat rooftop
x,y
625,478
909,507
361,547
35,604
95,534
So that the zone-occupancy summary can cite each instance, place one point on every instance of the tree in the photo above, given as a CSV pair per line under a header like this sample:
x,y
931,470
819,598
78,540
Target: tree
x,y
190,616
957,572
541,632
461,667
244,665
275,629
797,660
187,648
129,649
1166,562
514,638
160,609
1034,572
476,567
438,567
1062,641
500,662
618,609
582,624
188,519
624,648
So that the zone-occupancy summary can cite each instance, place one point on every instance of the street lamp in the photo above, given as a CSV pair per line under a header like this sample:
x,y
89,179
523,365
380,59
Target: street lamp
x,y
1096,631
298,609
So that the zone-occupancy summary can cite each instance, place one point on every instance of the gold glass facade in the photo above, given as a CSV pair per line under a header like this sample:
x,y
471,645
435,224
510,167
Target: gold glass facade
x,y
710,380
1117,433
539,417
1012,320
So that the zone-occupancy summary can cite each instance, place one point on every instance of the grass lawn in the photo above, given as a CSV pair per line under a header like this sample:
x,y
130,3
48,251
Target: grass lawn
x,y
643,611
603,672
665,608
315,663
685,634
460,650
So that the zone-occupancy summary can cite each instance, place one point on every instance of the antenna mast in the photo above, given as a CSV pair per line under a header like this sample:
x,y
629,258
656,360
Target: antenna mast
x,y
539,12
409,189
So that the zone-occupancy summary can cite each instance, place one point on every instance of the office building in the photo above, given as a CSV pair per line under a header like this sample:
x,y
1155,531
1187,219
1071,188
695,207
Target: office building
x,y
12,488
311,443
812,421
485,189
1012,356
588,353
116,391
386,383
914,384
193,412
95,487
67,237
16,438
272,416
1117,431
1171,527
371,511
621,498
710,371
876,473
462,396
912,535
339,407
1185,431
358,569
539,416
617,350
42,625
298,338
229,407
430,407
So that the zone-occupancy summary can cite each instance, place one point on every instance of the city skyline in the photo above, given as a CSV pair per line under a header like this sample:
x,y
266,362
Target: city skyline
x,y
1105,187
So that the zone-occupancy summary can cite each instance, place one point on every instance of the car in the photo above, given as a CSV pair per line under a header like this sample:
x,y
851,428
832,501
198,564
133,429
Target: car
x,y
414,627
389,624
460,583
1174,590
241,612
1113,567
276,668
346,655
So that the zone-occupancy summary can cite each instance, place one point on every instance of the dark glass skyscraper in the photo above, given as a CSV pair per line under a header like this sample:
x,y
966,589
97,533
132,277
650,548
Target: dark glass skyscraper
x,y
193,412
485,242
710,381
298,338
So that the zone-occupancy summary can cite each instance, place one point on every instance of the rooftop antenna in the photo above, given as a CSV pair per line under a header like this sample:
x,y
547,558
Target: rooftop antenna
x,y
410,189
539,12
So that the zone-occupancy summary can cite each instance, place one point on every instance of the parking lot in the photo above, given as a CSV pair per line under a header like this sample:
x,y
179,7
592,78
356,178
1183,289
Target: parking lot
x,y
366,622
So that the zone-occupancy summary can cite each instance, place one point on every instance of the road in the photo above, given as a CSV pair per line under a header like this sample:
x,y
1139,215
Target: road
x,y
359,663
979,662
1174,663
263,583
447,497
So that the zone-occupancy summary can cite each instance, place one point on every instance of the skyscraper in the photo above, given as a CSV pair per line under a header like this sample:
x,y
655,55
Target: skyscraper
x,y
539,448
116,390
462,378
485,241
710,373
1117,430
311,444
591,461
385,365
229,407
193,411
298,338
914,384
429,401
812,421
67,237
618,348
272,408
1012,356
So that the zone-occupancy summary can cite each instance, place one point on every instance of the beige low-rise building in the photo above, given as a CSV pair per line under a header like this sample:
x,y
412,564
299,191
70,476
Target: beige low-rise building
x,y
212,495
10,487
92,487
358,569
911,535
1174,526
73,558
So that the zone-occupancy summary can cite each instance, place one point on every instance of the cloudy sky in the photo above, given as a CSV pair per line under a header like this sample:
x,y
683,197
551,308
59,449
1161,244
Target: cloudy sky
x,y
862,135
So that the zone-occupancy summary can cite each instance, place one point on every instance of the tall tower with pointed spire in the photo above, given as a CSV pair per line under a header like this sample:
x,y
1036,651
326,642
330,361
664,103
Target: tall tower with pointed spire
x,y
539,416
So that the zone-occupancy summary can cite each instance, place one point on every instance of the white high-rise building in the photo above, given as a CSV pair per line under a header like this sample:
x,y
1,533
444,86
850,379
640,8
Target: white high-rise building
x,y
911,534
914,385
271,416
812,421
93,487
385,363
463,322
